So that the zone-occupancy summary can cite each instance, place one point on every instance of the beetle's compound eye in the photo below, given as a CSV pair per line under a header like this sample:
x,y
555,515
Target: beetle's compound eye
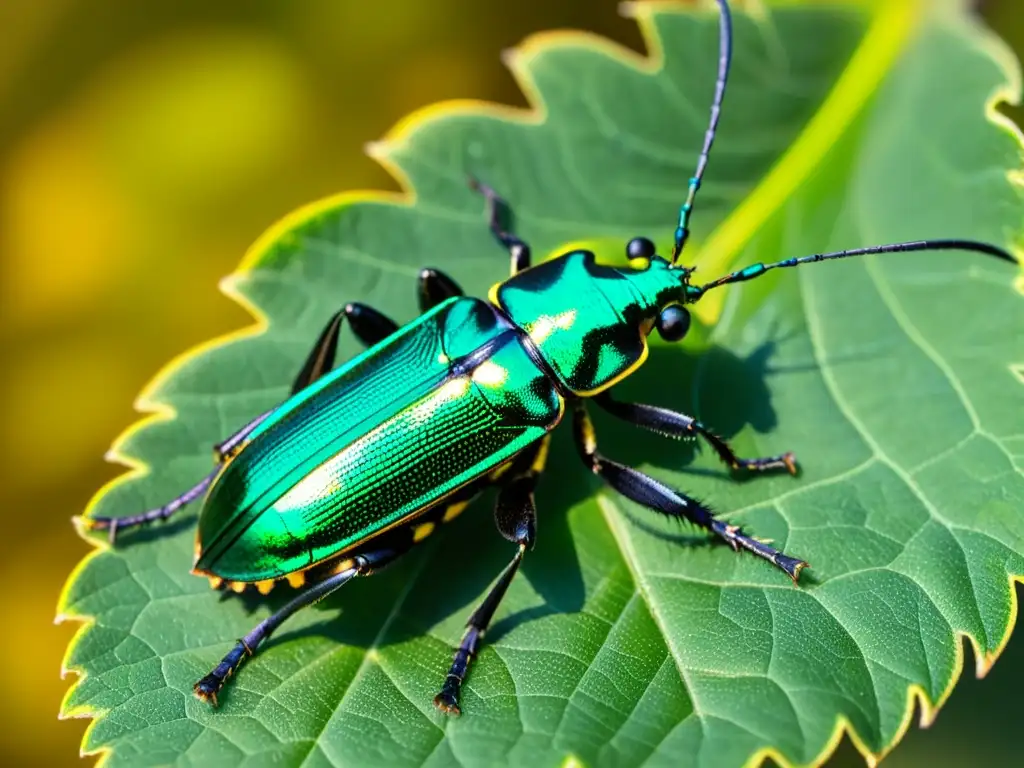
x,y
639,248
673,323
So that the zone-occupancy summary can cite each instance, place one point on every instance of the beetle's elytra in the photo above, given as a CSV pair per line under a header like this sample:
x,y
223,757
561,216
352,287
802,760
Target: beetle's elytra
x,y
364,461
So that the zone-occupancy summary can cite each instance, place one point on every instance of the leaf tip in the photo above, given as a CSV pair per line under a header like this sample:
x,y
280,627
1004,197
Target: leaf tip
x,y
378,150
628,9
510,58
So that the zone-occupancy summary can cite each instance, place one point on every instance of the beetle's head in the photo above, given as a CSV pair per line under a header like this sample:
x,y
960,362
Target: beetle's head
x,y
668,290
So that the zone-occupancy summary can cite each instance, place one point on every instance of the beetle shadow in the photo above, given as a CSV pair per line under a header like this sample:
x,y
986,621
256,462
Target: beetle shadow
x,y
450,573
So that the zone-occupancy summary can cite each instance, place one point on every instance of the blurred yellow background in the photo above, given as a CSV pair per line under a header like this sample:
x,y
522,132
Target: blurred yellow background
x,y
143,147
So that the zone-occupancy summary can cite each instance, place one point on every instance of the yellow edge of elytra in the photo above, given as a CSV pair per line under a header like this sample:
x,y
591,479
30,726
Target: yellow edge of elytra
x,y
885,39
729,238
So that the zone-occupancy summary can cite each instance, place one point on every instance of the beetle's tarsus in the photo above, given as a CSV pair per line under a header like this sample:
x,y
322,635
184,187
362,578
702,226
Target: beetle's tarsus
x,y
447,700
447,705
207,689
790,461
786,461
792,566
90,524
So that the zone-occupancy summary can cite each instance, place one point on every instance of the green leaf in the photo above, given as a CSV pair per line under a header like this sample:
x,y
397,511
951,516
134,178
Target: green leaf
x,y
897,381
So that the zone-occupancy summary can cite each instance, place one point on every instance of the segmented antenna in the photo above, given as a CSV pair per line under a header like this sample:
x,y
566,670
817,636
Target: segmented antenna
x,y
756,270
724,58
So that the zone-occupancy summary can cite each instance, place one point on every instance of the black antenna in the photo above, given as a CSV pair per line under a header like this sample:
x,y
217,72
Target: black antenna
x,y
756,270
724,58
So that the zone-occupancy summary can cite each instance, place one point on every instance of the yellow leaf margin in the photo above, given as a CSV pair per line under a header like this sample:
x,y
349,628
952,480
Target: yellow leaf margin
x,y
893,25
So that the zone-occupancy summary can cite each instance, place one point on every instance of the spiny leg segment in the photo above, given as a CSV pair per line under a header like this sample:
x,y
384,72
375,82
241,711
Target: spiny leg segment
x,y
678,425
434,287
647,491
515,515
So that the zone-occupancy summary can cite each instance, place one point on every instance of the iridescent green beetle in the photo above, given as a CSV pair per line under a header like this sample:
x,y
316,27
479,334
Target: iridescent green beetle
x,y
364,461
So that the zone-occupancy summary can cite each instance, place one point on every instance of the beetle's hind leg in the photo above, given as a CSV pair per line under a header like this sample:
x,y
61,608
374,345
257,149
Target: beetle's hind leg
x,y
516,518
210,686
518,250
222,451
645,490
679,425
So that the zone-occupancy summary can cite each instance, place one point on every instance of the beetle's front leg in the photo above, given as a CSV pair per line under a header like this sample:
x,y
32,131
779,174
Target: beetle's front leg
x,y
516,517
679,425
210,686
518,250
645,490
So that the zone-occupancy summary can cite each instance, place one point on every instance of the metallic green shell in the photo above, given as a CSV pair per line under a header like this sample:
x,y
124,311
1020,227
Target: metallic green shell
x,y
375,442
589,321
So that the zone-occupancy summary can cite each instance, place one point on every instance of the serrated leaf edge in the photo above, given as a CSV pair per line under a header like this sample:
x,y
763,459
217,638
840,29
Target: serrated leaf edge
x,y
728,239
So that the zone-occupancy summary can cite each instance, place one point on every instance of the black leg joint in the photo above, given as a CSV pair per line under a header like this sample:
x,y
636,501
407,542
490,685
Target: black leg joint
x,y
368,325
514,511
434,287
679,425
647,491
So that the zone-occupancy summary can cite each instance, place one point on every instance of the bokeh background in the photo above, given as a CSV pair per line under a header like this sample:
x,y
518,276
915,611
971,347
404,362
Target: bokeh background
x,y
143,147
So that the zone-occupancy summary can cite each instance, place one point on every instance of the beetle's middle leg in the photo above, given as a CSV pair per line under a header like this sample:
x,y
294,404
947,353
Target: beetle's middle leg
x,y
518,250
516,518
679,425
645,490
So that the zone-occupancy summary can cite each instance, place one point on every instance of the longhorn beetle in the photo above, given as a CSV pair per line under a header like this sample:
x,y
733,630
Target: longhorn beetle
x,y
364,461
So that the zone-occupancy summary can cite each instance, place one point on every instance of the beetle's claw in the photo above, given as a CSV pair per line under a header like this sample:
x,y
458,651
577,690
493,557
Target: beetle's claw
x,y
207,689
447,703
90,524
791,565
790,461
